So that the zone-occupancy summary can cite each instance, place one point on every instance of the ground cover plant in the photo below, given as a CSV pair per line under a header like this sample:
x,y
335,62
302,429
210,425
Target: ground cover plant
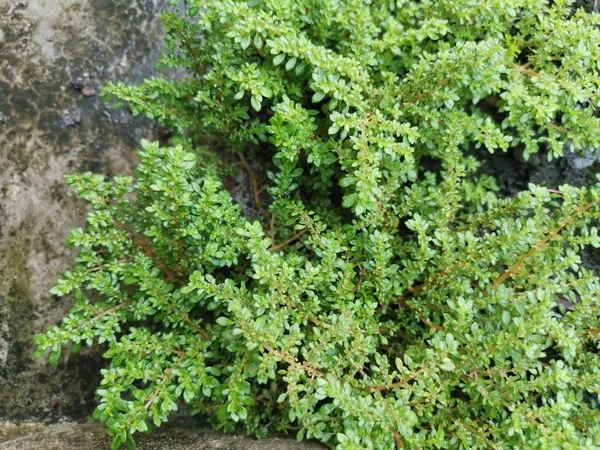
x,y
383,295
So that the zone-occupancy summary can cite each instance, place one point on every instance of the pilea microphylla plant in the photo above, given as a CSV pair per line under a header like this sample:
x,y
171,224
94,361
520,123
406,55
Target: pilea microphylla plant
x,y
384,295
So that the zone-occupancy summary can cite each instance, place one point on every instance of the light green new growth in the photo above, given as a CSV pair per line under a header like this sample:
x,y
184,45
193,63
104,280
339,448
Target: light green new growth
x,y
376,302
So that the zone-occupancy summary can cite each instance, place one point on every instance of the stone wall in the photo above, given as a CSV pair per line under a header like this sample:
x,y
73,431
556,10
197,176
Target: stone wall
x,y
54,57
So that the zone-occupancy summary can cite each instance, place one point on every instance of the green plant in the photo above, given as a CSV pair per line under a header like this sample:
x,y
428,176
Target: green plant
x,y
385,296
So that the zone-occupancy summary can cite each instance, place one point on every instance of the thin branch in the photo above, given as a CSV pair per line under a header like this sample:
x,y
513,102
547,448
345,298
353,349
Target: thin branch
x,y
143,244
177,352
186,318
292,361
389,387
518,265
165,376
254,186
416,98
397,440
114,308
474,431
407,293
557,127
106,312
523,69
297,236
421,318
407,338
594,332
360,279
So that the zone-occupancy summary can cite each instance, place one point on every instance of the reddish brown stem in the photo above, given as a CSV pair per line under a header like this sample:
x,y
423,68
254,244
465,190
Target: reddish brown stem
x,y
518,265
254,186
143,244
297,236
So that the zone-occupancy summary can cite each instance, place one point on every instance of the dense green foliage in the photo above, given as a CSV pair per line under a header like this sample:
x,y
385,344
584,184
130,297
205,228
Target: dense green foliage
x,y
384,296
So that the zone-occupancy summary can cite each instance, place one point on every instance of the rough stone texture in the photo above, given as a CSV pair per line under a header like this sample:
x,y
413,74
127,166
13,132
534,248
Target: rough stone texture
x,y
53,54
186,435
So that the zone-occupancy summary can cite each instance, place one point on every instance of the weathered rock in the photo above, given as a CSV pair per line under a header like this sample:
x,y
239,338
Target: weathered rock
x,y
88,91
187,435
70,119
47,132
78,84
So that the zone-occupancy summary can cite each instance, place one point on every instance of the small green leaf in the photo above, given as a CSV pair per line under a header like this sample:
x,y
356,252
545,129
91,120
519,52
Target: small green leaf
x,y
256,104
129,442
116,442
447,365
347,181
258,42
318,96
290,64
399,364
245,43
128,281
224,321
266,92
